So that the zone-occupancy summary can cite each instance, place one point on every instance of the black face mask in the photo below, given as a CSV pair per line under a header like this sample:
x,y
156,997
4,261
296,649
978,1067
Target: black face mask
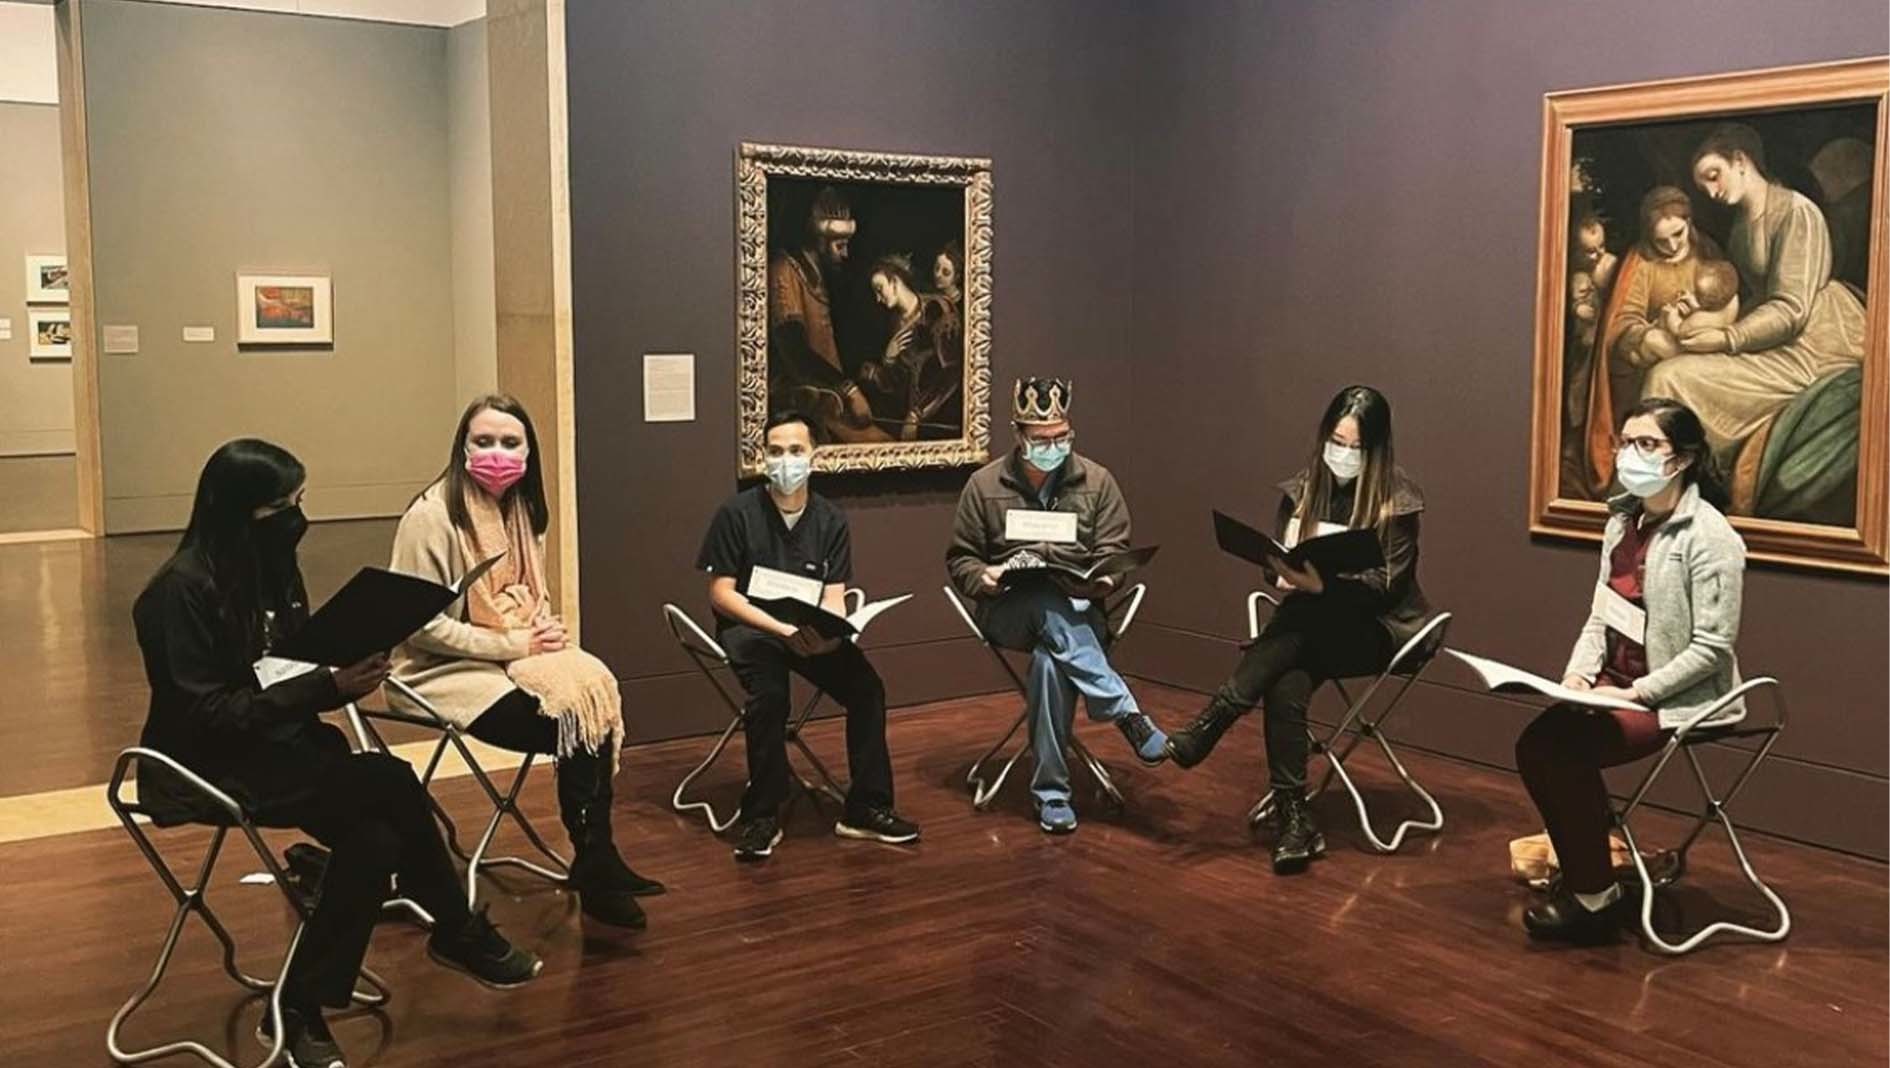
x,y
278,533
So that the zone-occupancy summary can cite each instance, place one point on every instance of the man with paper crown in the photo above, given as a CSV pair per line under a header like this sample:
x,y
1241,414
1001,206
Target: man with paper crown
x,y
1040,504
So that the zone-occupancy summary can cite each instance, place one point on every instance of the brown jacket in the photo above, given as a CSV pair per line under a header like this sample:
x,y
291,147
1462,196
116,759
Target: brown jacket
x,y
1391,591
1086,488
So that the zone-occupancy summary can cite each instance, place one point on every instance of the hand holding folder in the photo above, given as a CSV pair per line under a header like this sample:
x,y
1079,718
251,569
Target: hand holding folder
x,y
1345,553
377,610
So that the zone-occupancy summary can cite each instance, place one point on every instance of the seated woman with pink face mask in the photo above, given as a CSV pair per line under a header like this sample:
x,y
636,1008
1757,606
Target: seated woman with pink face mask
x,y
498,662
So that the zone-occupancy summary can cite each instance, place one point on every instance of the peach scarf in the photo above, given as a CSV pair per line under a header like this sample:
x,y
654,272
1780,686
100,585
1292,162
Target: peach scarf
x,y
572,686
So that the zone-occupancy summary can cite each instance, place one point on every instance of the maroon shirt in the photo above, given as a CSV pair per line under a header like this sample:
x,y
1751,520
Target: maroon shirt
x,y
1627,566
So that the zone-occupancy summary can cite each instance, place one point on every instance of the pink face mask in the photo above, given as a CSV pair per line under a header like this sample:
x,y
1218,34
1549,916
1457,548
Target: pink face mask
x,y
495,469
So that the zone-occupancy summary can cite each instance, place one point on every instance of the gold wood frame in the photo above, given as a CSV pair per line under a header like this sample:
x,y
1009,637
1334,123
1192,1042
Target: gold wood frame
x,y
754,164
1859,549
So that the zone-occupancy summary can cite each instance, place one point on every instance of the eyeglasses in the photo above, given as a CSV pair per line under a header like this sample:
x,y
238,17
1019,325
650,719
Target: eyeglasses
x,y
1646,445
1059,441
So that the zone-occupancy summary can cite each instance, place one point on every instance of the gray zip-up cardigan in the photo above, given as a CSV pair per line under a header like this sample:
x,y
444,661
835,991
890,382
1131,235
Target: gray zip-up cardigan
x,y
1692,585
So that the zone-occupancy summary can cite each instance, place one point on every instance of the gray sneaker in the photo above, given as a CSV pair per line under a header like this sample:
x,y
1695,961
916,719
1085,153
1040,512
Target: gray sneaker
x,y
479,950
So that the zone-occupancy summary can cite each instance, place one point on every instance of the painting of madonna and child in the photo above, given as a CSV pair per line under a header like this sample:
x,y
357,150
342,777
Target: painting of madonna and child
x,y
1724,260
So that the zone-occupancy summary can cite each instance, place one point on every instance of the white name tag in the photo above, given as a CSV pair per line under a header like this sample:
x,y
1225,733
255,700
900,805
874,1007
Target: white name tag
x,y
1320,530
1024,524
1621,616
765,583
273,669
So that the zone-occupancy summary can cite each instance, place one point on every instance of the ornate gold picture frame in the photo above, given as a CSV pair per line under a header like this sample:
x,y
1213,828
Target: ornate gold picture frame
x,y
863,284
1722,240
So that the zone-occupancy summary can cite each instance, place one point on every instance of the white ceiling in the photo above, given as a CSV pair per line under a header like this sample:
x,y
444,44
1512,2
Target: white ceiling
x,y
412,12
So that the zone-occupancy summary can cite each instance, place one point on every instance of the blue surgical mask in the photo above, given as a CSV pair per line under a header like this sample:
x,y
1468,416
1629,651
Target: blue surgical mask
x,y
1641,475
1344,461
787,474
1046,456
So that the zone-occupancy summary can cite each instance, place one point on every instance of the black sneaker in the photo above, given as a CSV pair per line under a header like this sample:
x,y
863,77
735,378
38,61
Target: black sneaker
x,y
878,825
479,950
756,839
306,1042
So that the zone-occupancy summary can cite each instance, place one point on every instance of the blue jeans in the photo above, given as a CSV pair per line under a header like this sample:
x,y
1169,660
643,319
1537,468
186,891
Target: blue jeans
x,y
1065,638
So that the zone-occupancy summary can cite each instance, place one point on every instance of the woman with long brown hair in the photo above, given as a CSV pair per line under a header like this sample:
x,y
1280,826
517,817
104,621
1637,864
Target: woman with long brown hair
x,y
499,662
1328,626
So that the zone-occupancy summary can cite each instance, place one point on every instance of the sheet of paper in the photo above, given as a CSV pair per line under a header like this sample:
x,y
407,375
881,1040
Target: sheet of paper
x,y
1319,531
765,583
870,612
1500,676
669,387
1025,524
1621,615
120,340
273,669
6,330
197,335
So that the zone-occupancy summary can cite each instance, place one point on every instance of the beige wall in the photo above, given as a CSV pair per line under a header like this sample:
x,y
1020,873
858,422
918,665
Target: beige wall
x,y
225,141
35,398
469,159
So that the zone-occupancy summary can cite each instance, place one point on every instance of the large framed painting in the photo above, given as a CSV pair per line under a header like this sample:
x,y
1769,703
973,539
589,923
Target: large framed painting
x,y
864,302
1721,241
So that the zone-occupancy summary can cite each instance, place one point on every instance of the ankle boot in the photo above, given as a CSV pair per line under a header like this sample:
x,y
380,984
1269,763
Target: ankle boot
x,y
1298,840
1191,744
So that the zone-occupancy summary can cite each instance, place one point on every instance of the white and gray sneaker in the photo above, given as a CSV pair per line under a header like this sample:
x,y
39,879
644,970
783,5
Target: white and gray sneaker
x,y
878,825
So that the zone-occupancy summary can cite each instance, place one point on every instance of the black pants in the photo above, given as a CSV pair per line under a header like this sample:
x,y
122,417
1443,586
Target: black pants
x,y
514,722
1310,639
762,664
370,810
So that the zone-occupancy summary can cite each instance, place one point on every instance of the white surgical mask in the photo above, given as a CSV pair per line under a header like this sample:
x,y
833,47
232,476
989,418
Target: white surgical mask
x,y
789,473
1344,461
1640,475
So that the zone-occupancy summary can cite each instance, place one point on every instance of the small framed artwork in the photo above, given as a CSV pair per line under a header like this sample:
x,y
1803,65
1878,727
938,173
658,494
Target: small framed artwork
x,y
46,280
49,335
284,309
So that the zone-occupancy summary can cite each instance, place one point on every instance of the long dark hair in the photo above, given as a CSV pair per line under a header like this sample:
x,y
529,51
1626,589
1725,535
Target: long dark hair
x,y
530,489
1683,429
1377,481
240,477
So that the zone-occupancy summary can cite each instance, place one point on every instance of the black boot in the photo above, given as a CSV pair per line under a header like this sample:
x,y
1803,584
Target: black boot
x,y
1298,840
607,889
1191,744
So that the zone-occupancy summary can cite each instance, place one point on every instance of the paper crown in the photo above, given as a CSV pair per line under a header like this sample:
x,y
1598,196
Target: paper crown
x,y
1041,400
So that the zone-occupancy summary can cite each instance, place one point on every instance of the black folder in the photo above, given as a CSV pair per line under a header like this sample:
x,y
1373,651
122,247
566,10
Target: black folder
x,y
802,614
1114,564
377,610
1344,553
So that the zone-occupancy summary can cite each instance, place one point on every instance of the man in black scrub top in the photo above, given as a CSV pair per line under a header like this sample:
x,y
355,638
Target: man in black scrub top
x,y
780,539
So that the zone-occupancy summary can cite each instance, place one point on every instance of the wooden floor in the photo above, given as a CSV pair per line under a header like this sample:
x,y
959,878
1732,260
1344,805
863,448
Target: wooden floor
x,y
1156,936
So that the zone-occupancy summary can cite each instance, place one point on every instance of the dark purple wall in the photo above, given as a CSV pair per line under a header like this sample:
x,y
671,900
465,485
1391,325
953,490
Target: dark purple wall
x,y
661,93
1328,193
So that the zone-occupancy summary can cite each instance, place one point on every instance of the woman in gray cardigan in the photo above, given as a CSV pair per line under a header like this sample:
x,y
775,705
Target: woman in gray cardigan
x,y
1659,634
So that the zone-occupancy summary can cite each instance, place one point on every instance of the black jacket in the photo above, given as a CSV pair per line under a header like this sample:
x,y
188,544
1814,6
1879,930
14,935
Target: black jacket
x,y
266,748
1391,593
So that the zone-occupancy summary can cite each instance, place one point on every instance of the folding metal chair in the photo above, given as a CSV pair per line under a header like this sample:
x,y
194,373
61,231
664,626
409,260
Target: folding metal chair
x,y
708,655
1408,665
221,812
1129,602
504,804
1687,739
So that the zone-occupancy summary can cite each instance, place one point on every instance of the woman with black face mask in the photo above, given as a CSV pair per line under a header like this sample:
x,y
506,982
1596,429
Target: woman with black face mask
x,y
217,606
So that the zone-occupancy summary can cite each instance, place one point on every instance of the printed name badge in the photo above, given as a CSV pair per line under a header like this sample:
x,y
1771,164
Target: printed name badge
x,y
767,584
1025,524
1621,616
